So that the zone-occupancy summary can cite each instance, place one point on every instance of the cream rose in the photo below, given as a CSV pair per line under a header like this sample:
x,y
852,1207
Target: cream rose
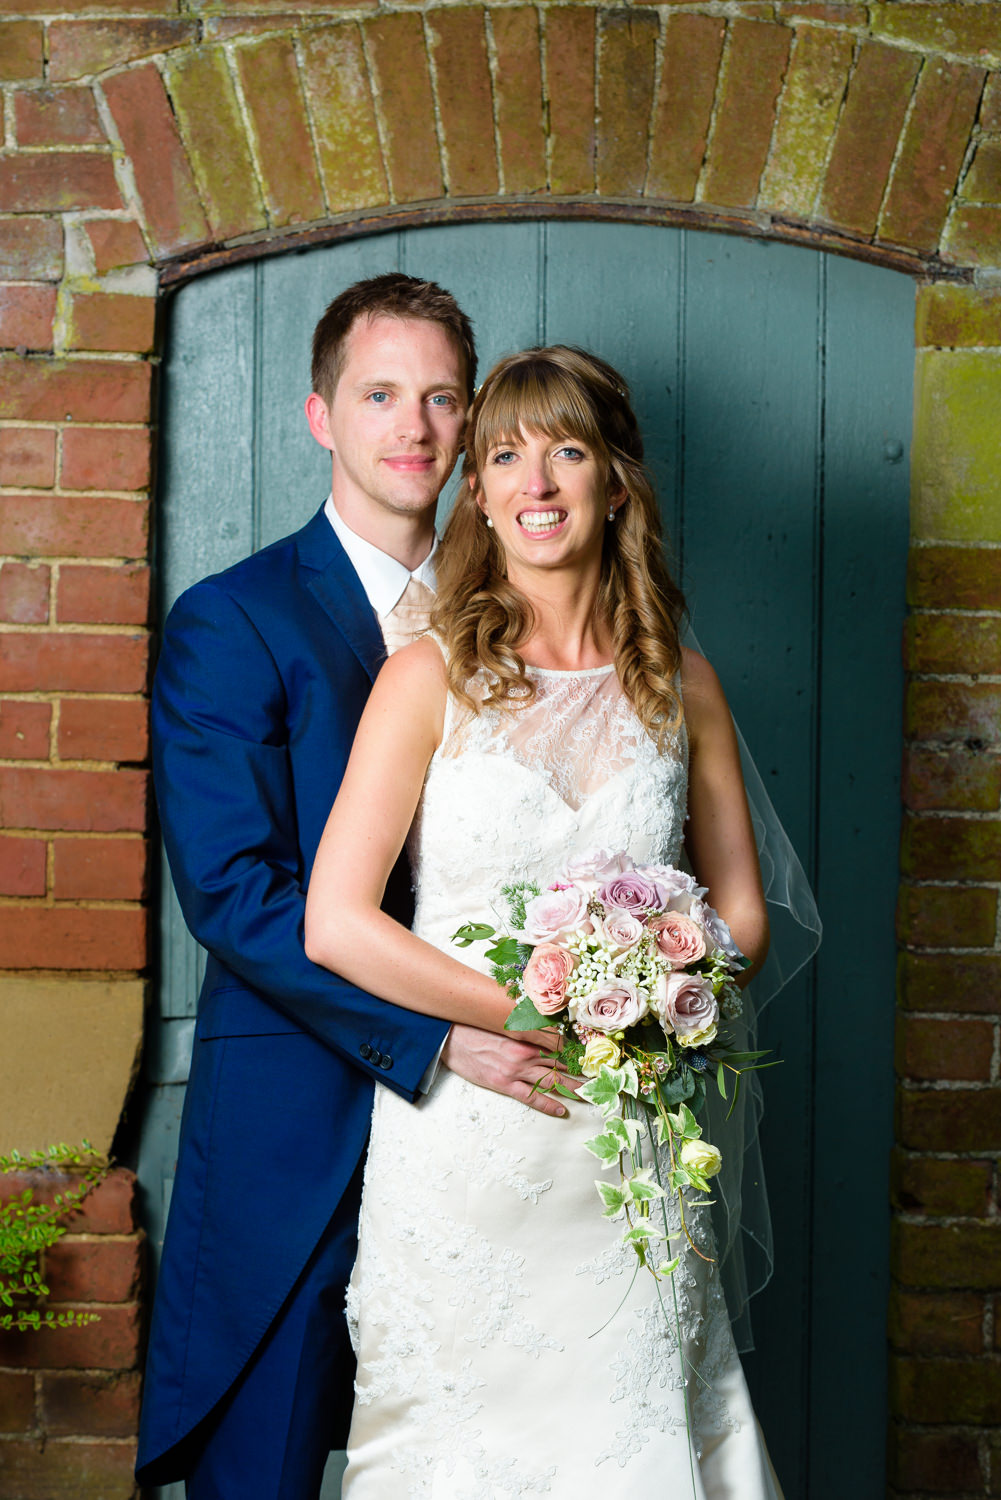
x,y
686,1006
613,1006
621,929
600,1050
680,940
545,977
702,1157
555,912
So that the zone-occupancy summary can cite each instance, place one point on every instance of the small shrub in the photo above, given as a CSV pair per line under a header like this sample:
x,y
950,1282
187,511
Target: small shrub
x,y
28,1229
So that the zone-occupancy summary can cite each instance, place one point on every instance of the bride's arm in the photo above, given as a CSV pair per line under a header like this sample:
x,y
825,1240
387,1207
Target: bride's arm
x,y
719,838
346,930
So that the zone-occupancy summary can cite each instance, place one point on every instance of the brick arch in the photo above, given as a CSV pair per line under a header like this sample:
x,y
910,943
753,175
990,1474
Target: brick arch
x,y
148,142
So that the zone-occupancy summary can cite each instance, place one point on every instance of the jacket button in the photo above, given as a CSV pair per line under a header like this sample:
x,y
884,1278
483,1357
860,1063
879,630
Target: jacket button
x,y
365,1051
376,1058
385,1061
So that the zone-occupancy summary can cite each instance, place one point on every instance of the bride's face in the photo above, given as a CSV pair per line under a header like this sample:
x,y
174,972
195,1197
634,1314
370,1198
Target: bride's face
x,y
548,499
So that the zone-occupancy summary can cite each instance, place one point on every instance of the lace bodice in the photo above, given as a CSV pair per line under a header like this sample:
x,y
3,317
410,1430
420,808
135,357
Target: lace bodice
x,y
512,793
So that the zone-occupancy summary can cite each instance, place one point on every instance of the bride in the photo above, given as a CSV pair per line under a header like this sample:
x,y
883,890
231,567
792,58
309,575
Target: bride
x,y
505,1345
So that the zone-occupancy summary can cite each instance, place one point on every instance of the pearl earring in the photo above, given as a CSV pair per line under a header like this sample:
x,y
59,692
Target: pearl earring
x,y
611,511
490,524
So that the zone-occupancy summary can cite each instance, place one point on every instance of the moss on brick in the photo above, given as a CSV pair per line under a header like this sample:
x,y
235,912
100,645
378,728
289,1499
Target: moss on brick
x,y
955,317
969,31
811,101
973,236
956,455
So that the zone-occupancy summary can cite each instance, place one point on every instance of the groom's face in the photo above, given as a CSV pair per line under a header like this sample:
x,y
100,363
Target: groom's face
x,y
394,424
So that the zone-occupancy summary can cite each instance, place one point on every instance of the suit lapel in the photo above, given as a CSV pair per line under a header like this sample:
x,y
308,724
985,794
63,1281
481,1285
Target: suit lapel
x,y
337,587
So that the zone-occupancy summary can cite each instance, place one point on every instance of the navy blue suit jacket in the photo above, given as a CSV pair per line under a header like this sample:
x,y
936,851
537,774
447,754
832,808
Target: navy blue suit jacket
x,y
263,675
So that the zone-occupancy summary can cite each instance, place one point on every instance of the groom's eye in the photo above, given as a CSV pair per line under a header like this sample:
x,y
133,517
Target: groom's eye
x,y
379,397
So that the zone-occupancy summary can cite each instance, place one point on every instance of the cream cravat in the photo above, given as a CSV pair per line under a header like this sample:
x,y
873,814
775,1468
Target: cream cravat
x,y
408,617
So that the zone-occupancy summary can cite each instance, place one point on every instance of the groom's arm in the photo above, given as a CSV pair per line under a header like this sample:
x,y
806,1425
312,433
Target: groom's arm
x,y
227,808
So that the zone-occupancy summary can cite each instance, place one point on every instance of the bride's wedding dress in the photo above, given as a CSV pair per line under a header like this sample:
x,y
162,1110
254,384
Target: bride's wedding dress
x,y
505,1346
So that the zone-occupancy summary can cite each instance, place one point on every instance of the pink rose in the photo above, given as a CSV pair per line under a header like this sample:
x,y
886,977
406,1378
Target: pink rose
x,y
545,977
686,1006
680,940
718,931
621,929
554,912
631,892
598,865
613,1006
676,887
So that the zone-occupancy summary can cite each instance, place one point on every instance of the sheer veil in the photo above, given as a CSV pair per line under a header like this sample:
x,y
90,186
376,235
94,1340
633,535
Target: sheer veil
x,y
741,1214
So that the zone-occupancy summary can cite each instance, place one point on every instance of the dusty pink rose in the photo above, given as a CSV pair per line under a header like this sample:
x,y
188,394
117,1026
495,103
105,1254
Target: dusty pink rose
x,y
598,865
621,929
680,940
545,977
613,1006
554,912
718,930
687,1007
677,888
630,892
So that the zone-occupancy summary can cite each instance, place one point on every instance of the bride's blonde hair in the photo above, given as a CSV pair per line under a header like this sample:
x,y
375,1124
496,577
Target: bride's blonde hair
x,y
481,618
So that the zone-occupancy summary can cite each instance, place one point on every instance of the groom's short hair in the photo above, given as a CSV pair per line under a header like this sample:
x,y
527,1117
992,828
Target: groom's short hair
x,y
392,295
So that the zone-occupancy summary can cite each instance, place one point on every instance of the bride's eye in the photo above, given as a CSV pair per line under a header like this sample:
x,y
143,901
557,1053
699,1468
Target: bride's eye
x,y
504,456
568,450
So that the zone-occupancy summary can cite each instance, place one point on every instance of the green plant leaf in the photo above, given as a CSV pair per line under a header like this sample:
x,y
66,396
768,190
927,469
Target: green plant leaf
x,y
525,1017
643,1188
607,1148
614,1198
472,932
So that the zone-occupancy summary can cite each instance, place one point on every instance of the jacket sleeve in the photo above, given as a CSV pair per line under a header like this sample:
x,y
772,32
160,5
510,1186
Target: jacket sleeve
x,y
227,808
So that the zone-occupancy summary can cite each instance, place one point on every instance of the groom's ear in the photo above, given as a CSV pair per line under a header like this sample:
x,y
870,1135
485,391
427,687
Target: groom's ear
x,y
318,417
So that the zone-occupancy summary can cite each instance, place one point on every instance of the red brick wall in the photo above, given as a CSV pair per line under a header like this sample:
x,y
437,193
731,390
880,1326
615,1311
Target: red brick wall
x,y
143,140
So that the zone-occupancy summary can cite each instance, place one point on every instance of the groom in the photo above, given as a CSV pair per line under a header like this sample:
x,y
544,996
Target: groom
x,y
262,679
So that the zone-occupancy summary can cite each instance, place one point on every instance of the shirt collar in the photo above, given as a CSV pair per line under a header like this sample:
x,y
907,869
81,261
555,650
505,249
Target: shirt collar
x,y
381,576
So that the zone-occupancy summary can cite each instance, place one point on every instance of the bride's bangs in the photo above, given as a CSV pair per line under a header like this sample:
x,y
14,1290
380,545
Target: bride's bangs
x,y
536,397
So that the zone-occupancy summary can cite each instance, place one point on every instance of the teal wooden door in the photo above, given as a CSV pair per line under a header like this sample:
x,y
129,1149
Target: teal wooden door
x,y
774,388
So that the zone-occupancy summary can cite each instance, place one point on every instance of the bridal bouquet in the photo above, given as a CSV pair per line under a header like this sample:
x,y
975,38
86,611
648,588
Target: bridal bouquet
x,y
635,972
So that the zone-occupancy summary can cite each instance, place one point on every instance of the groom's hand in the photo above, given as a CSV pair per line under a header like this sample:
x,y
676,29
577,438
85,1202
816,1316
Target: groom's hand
x,y
509,1064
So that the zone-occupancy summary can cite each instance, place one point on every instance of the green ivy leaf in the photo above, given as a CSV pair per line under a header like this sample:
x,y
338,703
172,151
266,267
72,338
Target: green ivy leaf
x,y
614,1198
606,1148
643,1188
525,1017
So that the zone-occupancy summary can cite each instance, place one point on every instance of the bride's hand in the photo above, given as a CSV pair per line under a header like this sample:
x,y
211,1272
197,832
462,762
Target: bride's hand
x,y
509,1064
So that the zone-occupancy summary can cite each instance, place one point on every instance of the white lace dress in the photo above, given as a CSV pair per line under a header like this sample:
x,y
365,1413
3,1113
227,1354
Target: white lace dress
x,y
505,1347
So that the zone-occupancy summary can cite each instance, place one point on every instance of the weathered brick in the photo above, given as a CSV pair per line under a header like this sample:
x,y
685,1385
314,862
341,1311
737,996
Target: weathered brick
x,y
99,1405
55,181
97,869
109,1208
518,93
335,79
73,526
22,866
964,30
944,916
57,117
79,390
959,1391
27,457
951,848
878,94
110,1344
957,316
17,1388
113,458
166,187
87,801
849,13
946,1255
22,51
103,596
960,779
950,981
111,321
98,1269
67,1470
24,593
944,1462
973,237
86,938
932,149
103,729
46,661
627,43
570,64
26,314
990,105
692,48
79,48
273,93
982,182
753,73
31,248
403,98
115,242
24,729
951,1120
204,98
457,42
929,1185
954,711
930,1049
936,1322
953,643
811,100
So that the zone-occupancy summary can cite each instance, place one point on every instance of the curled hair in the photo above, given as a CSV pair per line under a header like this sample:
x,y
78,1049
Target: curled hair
x,y
393,295
482,618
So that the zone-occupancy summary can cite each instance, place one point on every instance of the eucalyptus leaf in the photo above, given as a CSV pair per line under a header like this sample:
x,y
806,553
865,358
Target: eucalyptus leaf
x,y
472,932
